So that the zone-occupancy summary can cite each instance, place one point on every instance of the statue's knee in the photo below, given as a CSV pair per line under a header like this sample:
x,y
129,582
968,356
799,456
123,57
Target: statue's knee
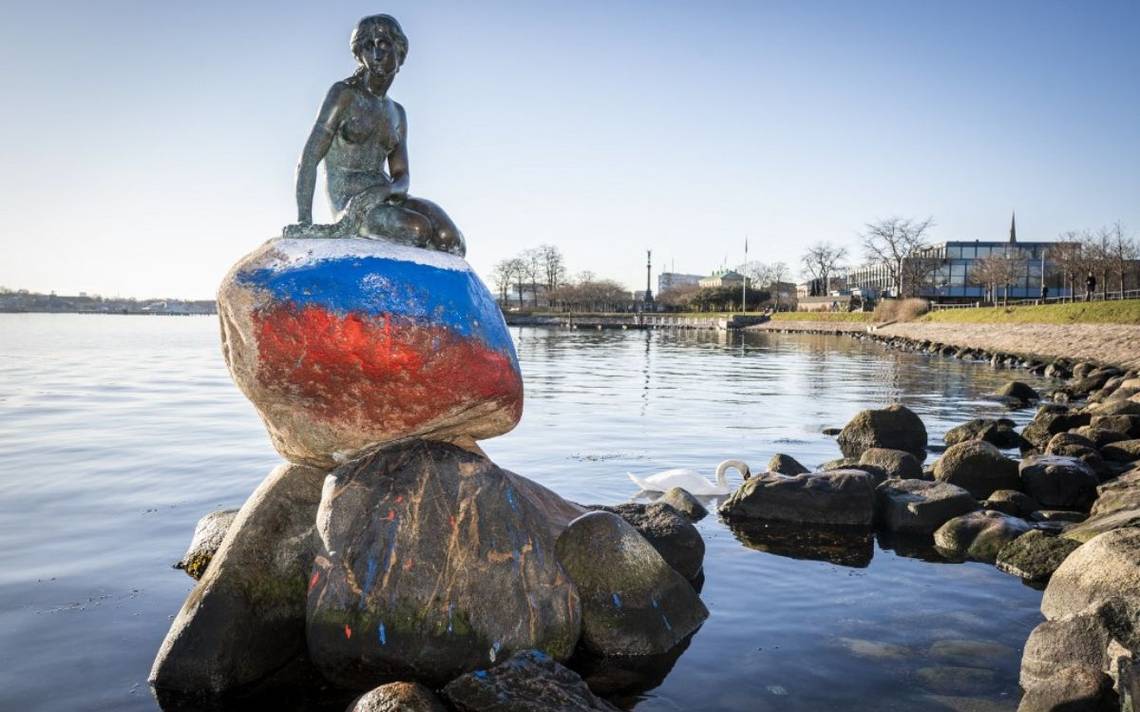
x,y
419,228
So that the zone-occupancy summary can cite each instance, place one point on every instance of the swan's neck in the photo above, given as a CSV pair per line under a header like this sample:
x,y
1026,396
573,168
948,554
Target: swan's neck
x,y
737,465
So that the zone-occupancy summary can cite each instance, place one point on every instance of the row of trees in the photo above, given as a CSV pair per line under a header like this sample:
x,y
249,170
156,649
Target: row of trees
x,y
536,267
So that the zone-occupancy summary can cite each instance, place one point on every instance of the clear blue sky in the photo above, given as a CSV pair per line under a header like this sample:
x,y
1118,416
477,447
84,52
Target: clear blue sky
x,y
148,145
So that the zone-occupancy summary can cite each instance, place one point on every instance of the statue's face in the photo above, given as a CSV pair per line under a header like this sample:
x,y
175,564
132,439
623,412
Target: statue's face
x,y
378,53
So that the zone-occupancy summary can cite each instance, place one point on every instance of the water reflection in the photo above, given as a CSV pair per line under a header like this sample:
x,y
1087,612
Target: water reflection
x,y
846,546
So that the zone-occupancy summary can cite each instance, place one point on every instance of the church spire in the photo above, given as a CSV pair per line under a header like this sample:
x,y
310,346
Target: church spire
x,y
1013,228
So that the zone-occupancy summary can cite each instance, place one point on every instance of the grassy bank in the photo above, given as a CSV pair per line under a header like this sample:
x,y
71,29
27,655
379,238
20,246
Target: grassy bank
x,y
1123,312
856,317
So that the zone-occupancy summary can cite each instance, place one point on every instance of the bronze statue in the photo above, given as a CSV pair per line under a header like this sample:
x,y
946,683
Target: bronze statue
x,y
358,130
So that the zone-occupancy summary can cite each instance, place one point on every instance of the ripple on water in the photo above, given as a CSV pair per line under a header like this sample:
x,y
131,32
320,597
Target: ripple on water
x,y
118,433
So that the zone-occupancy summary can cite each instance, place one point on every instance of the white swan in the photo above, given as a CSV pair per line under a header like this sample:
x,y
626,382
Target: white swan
x,y
691,480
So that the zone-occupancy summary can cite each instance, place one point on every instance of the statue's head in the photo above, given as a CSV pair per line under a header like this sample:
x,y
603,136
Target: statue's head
x,y
379,44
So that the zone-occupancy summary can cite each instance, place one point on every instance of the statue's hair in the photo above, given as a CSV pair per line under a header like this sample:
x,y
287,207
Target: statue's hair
x,y
388,23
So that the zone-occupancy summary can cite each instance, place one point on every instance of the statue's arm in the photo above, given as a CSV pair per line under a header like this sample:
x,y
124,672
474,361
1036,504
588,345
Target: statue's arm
x,y
320,138
398,160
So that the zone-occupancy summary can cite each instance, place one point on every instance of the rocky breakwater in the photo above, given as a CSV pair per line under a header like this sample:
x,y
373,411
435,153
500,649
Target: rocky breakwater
x,y
391,548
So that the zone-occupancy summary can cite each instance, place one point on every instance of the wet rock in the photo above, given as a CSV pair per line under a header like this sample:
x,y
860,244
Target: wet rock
x,y
1073,689
346,344
837,497
246,616
972,653
1057,369
893,464
688,505
633,602
1057,481
875,650
1122,451
435,562
1070,444
832,432
530,681
1118,494
1011,502
842,545
786,465
1080,640
1127,425
1035,555
1103,568
999,433
895,427
670,533
1018,392
623,677
978,535
977,467
919,507
398,697
208,536
954,680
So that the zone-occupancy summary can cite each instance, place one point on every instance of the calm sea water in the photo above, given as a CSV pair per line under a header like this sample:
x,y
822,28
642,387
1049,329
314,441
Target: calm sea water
x,y
117,433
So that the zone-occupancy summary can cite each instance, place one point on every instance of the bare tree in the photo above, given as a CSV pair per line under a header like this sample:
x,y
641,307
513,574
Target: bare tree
x,y
777,273
822,260
1001,269
553,266
1067,259
1121,253
896,244
503,276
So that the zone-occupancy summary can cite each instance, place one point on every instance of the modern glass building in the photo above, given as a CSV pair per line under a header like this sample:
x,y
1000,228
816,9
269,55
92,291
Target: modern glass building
x,y
946,271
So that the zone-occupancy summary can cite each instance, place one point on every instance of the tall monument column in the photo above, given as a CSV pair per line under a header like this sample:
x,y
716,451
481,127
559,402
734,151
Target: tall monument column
x,y
648,276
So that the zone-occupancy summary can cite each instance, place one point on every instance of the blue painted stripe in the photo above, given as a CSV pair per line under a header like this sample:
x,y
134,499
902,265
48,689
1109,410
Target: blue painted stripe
x,y
378,286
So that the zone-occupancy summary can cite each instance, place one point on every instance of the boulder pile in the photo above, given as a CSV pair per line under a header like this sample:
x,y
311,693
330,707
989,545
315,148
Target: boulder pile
x,y
390,547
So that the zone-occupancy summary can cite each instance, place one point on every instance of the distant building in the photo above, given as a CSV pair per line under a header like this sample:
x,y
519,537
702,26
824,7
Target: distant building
x,y
672,280
948,275
724,278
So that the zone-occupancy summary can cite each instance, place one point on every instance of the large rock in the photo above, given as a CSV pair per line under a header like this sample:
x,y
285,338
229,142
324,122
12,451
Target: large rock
x,y
1035,555
668,531
978,535
895,427
435,562
1011,502
633,602
1080,639
1126,425
1106,567
246,617
208,536
977,467
998,432
786,465
837,497
398,697
1058,481
891,464
1100,437
1096,525
684,502
1016,392
1049,422
1122,451
530,681
1071,689
919,506
345,344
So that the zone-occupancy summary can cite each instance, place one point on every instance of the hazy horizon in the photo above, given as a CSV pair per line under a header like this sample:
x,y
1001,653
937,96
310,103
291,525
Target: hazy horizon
x,y
154,145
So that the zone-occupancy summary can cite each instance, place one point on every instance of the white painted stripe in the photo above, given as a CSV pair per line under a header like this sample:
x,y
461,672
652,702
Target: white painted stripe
x,y
289,253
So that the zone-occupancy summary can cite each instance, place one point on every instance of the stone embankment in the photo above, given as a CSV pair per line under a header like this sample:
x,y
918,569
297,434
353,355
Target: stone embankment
x,y
1106,344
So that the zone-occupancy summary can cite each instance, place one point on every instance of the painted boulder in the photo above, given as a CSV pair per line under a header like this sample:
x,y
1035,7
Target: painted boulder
x,y
345,344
